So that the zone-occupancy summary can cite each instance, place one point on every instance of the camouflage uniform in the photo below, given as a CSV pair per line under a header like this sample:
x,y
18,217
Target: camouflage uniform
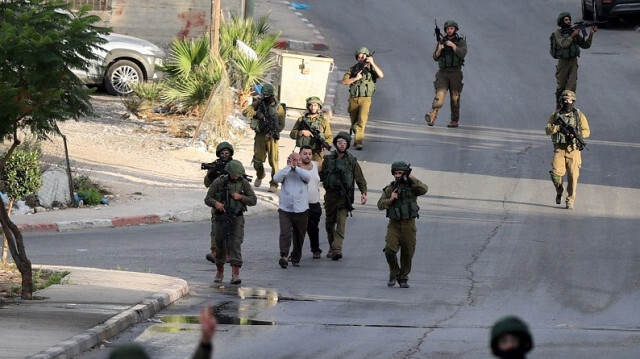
x,y
265,144
360,95
567,67
339,172
212,174
448,77
318,123
221,190
567,157
401,230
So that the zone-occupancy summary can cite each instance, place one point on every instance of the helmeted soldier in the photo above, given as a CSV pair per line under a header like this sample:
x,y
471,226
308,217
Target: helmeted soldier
x,y
568,41
361,79
224,152
567,127
400,200
267,120
229,195
449,54
313,121
510,338
340,172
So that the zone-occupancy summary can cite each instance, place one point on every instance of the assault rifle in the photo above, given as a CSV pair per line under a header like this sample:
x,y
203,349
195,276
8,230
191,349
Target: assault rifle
x,y
346,192
583,25
403,179
360,66
219,169
439,37
268,123
227,217
572,133
320,143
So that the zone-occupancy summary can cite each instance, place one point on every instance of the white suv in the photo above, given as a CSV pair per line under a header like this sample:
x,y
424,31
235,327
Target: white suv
x,y
125,60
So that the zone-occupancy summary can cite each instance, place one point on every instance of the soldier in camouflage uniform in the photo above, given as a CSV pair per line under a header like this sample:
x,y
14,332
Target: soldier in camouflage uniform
x,y
399,199
267,120
224,152
450,57
313,118
340,170
566,150
229,195
569,41
362,86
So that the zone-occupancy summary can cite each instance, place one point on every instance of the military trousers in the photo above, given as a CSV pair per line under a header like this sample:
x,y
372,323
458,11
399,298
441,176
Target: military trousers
x,y
566,76
451,81
359,114
335,218
265,148
401,237
566,161
313,226
292,229
233,242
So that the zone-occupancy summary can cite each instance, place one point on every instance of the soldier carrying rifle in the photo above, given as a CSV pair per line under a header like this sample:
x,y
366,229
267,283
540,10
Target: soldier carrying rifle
x,y
267,120
313,129
229,195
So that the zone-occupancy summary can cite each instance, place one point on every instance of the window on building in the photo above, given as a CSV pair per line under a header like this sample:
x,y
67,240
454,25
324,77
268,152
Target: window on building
x,y
94,5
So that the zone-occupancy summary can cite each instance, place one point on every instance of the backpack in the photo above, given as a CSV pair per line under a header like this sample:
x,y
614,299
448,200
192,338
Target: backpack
x,y
554,48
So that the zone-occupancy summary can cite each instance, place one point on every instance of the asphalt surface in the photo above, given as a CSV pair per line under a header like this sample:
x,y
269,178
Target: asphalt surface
x,y
491,239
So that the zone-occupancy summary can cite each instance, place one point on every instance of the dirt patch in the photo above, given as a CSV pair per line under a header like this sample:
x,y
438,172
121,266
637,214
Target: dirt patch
x,y
10,281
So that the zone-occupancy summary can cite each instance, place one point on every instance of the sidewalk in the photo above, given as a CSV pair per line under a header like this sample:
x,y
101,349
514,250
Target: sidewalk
x,y
95,304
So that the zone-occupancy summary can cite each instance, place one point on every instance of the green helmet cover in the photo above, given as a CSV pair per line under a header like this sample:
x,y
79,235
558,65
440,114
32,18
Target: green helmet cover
x,y
511,325
399,166
561,17
568,95
362,50
268,89
344,135
314,99
450,23
235,168
224,146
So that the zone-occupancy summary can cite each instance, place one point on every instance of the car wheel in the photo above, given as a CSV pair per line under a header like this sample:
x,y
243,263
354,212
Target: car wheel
x,y
586,14
121,75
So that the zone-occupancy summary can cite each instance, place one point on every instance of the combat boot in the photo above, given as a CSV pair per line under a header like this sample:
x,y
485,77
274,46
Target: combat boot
x,y
336,254
403,283
453,124
235,275
219,273
257,182
273,188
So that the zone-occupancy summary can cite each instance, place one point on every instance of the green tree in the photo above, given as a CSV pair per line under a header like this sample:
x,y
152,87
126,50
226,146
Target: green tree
x,y
40,42
21,177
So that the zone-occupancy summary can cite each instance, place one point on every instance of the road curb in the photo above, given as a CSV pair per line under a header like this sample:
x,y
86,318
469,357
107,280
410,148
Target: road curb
x,y
82,342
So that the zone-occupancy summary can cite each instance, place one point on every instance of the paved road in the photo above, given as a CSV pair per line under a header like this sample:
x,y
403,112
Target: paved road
x,y
491,239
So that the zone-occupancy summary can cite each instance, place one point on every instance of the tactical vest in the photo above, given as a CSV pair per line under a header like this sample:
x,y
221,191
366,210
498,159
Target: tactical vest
x,y
224,196
405,206
365,87
572,119
272,112
448,57
316,124
336,168
570,52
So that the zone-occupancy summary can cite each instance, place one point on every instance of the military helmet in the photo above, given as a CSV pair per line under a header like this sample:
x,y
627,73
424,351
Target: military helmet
x,y
451,23
268,89
568,95
235,168
314,99
399,166
344,135
561,17
511,325
362,50
224,146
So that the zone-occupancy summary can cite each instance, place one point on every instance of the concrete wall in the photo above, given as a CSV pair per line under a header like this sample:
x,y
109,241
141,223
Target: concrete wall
x,y
160,21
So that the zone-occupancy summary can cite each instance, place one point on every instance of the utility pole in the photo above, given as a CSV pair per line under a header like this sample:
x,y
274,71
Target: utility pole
x,y
214,37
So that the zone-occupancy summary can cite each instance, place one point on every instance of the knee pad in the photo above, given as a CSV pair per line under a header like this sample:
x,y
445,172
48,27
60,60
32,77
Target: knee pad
x,y
389,254
557,180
